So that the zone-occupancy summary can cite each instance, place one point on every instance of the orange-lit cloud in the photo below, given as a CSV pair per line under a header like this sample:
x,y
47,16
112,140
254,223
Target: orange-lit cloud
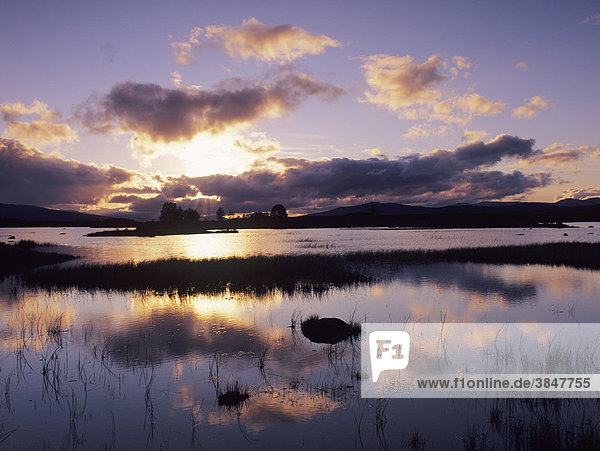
x,y
165,115
559,154
375,152
413,90
253,39
35,124
474,135
522,65
532,107
257,143
460,63
182,52
579,193
463,109
398,81
422,131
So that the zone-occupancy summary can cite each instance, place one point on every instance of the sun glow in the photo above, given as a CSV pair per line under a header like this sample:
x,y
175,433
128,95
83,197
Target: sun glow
x,y
231,152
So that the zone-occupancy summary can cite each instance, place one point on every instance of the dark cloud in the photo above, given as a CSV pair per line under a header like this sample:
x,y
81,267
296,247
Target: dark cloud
x,y
148,208
28,176
443,176
123,199
178,187
167,115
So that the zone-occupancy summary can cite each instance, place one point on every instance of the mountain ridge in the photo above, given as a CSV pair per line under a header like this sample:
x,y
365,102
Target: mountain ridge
x,y
397,209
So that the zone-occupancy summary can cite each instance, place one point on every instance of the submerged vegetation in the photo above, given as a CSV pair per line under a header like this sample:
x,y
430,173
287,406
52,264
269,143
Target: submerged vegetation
x,y
291,273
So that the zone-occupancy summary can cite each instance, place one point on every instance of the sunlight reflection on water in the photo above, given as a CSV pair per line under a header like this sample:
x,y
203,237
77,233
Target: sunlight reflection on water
x,y
130,370
289,241
72,361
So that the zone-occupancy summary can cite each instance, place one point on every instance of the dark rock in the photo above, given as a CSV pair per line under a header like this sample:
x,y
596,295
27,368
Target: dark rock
x,y
328,330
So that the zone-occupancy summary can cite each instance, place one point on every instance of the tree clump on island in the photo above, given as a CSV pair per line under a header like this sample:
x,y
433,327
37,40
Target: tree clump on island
x,y
278,211
171,214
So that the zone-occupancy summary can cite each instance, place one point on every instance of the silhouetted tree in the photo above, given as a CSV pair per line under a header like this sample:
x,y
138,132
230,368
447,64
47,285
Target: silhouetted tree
x,y
170,212
220,213
278,211
190,216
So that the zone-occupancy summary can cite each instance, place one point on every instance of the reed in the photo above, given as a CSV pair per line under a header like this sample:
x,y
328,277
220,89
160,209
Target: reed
x,y
292,273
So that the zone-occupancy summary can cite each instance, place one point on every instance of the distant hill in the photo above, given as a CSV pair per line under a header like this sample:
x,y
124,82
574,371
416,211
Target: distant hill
x,y
393,209
387,209
33,213
15,215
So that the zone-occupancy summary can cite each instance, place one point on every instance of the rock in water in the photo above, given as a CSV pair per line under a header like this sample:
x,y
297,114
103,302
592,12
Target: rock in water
x,y
328,330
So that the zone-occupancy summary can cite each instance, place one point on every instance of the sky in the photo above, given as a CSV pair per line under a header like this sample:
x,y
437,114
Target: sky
x,y
115,107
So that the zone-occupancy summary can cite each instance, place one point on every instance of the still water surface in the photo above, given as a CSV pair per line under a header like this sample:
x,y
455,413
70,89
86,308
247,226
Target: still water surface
x,y
290,241
136,370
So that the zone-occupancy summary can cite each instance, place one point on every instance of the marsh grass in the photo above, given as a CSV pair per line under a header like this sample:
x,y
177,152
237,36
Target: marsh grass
x,y
290,274
416,441
536,424
234,395
252,275
30,244
20,257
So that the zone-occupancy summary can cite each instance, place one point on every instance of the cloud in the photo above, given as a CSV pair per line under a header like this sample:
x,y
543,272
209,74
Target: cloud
x,y
474,135
42,126
532,107
175,78
124,199
12,111
594,19
579,193
375,152
253,39
559,154
412,90
463,109
460,63
443,176
28,176
182,52
464,174
398,81
257,143
522,65
165,115
425,131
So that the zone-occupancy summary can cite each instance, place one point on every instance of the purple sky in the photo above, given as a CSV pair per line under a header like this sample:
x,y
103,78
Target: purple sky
x,y
119,106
